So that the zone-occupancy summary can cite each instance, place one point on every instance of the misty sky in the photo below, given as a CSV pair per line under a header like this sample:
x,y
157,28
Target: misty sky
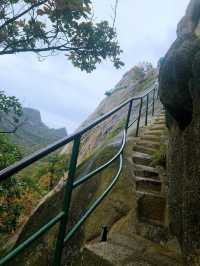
x,y
66,96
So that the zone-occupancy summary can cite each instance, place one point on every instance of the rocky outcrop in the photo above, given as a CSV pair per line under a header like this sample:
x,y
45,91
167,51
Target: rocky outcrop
x,y
129,86
32,134
180,93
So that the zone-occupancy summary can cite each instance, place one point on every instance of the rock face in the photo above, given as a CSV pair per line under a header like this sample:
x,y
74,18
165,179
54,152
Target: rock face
x,y
33,134
129,86
180,93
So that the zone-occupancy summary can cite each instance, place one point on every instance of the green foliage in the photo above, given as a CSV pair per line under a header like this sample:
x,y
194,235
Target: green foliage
x,y
58,26
10,189
108,93
20,193
10,104
55,168
159,157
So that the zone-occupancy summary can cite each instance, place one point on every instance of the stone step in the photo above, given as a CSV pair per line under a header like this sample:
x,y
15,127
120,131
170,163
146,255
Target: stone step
x,y
144,149
126,250
159,123
154,138
154,132
151,208
148,184
157,127
148,143
160,118
142,158
146,171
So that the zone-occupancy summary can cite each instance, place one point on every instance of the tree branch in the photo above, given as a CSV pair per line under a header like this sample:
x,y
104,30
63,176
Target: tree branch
x,y
23,13
115,12
62,48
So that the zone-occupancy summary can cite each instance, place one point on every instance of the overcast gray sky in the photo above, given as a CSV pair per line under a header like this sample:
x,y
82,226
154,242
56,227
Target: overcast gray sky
x,y
66,96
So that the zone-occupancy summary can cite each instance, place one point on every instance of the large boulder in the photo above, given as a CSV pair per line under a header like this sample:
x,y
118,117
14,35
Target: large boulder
x,y
179,90
176,72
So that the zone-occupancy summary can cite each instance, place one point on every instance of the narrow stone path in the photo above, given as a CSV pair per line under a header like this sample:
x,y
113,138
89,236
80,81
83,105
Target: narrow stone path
x,y
133,243
150,198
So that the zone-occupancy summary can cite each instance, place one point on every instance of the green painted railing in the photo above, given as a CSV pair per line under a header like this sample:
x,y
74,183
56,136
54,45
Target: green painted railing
x,y
70,184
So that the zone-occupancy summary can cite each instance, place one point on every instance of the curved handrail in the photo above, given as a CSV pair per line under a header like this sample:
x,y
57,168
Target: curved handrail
x,y
70,184
102,167
96,203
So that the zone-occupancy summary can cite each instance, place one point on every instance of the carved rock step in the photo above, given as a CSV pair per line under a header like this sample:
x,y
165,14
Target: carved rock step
x,y
142,158
123,250
157,127
144,149
146,171
149,143
151,208
148,184
160,118
154,138
154,132
160,123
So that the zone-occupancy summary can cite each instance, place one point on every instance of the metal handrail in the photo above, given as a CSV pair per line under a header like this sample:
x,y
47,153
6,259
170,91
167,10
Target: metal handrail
x,y
70,184
102,167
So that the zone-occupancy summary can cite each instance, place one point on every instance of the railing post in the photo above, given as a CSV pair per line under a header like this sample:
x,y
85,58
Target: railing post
x,y
157,97
128,115
104,234
153,107
67,199
139,117
147,110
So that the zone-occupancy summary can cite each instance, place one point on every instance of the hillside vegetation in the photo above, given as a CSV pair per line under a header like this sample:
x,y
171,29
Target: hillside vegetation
x,y
22,192
32,134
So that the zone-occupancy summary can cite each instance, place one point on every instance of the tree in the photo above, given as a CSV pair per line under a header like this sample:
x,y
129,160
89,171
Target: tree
x,y
108,93
11,110
58,26
53,160
57,166
10,189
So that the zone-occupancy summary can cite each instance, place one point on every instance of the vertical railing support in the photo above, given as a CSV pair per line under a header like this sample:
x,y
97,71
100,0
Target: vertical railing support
x,y
129,114
153,107
147,110
157,96
104,234
66,203
139,117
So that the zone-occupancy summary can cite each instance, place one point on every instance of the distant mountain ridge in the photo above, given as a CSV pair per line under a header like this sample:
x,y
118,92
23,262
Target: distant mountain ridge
x,y
33,133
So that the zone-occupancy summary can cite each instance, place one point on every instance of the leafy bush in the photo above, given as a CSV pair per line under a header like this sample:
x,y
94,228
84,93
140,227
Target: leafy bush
x,y
160,156
108,93
10,189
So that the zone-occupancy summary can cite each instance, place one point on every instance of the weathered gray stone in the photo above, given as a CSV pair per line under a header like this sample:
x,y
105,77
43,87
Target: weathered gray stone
x,y
180,93
189,22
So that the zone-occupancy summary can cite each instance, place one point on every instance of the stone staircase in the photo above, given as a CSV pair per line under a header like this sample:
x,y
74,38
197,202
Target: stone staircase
x,y
151,200
134,248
